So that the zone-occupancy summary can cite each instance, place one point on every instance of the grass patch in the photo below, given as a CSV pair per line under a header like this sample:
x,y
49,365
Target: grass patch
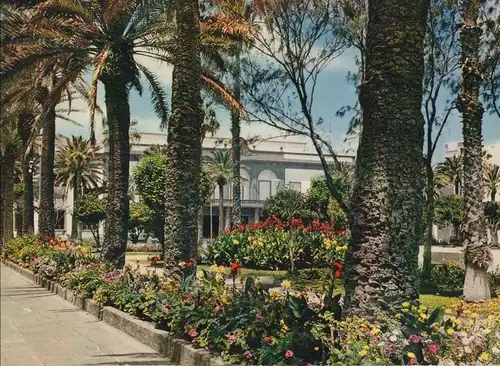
x,y
435,301
131,254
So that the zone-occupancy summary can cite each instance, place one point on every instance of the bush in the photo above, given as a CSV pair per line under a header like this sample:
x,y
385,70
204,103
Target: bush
x,y
274,244
286,205
448,275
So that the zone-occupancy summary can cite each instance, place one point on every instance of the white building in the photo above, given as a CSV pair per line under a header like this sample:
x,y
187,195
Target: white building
x,y
266,167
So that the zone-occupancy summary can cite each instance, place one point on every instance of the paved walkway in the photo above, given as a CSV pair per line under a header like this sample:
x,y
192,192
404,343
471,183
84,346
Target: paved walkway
x,y
40,328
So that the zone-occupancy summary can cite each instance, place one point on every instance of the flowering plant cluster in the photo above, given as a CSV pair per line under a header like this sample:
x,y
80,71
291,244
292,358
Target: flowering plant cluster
x,y
274,244
256,326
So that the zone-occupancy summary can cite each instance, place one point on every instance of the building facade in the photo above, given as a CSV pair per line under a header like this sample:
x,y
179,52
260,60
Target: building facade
x,y
266,167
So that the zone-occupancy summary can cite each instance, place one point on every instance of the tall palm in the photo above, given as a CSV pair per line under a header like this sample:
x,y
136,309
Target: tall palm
x,y
78,169
474,232
112,34
184,143
450,173
387,200
492,179
220,168
11,148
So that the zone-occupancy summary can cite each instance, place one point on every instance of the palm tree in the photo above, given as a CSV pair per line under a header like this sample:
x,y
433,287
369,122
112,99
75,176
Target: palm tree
x,y
387,200
112,35
219,166
450,173
78,169
11,147
474,232
492,178
184,143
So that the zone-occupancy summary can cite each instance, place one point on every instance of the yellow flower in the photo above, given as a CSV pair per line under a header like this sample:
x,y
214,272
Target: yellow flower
x,y
411,355
450,331
423,308
327,243
363,353
83,251
335,242
484,356
366,347
219,277
423,316
200,275
284,327
341,249
286,284
405,304
224,299
375,331
235,242
182,264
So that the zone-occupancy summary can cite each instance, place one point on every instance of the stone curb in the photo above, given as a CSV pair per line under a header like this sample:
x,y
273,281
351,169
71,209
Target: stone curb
x,y
177,350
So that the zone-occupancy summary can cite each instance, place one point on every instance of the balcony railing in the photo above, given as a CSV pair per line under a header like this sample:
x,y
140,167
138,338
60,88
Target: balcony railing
x,y
244,203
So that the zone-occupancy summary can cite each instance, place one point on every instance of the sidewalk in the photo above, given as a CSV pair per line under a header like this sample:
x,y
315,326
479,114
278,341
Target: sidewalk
x,y
40,328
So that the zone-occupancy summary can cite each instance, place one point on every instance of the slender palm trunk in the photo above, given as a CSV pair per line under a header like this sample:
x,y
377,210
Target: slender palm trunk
x,y
426,269
221,209
387,199
117,215
2,193
76,197
493,195
8,189
184,143
46,215
25,124
474,232
236,150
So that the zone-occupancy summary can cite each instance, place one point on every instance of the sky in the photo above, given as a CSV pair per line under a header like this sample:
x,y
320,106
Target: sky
x,y
333,91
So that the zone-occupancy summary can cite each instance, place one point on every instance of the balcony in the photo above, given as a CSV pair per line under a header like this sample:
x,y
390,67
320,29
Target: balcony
x,y
244,203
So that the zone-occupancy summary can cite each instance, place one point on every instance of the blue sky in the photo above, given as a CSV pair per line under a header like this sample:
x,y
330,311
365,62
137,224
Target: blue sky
x,y
333,92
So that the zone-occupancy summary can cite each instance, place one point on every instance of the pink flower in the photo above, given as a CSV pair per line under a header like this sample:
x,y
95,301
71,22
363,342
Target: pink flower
x,y
217,309
414,338
248,355
433,348
231,337
412,361
141,291
192,333
288,354
165,310
258,316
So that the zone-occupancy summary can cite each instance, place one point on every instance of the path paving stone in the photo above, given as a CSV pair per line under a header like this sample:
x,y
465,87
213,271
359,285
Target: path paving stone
x,y
40,328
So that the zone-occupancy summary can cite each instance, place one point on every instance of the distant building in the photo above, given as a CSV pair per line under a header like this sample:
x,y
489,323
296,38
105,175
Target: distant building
x,y
266,167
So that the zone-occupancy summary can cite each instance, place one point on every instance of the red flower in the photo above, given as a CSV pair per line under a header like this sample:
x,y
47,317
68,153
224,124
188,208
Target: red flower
x,y
48,237
40,241
235,268
268,339
189,263
316,225
338,274
338,265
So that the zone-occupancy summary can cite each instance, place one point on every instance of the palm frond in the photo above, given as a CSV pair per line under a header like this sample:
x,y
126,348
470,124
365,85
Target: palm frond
x,y
221,93
158,96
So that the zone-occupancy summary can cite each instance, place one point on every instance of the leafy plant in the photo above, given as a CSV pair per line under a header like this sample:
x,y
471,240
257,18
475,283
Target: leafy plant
x,y
448,275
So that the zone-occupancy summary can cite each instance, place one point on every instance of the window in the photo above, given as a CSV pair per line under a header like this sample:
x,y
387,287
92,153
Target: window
x,y
296,186
60,216
264,189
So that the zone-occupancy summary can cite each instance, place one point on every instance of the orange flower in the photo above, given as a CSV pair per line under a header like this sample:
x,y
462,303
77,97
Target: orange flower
x,y
235,268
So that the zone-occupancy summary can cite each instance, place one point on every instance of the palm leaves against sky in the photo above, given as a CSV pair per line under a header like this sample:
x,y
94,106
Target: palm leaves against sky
x,y
76,157
492,180
450,173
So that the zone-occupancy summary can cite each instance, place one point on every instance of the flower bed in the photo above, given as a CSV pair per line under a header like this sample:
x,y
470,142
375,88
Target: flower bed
x,y
259,327
274,244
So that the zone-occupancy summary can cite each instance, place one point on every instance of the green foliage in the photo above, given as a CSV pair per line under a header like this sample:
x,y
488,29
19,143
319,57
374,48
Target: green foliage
x,y
90,210
141,219
149,179
287,204
448,275
448,210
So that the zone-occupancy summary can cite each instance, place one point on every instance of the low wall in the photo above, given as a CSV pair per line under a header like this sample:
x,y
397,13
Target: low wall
x,y
177,350
440,253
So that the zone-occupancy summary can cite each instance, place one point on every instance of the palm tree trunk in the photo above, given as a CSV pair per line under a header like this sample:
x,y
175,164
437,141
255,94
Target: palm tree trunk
x,y
2,193
76,197
8,194
221,209
117,214
184,144
46,216
236,149
493,195
387,200
474,232
25,123
427,260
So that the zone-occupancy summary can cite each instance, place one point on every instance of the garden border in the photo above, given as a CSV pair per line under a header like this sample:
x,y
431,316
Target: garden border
x,y
177,350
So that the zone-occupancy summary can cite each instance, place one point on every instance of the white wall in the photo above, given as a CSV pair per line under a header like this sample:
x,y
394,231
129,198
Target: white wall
x,y
301,175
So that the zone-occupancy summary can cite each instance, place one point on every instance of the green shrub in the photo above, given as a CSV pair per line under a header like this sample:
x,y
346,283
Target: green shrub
x,y
448,275
20,246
